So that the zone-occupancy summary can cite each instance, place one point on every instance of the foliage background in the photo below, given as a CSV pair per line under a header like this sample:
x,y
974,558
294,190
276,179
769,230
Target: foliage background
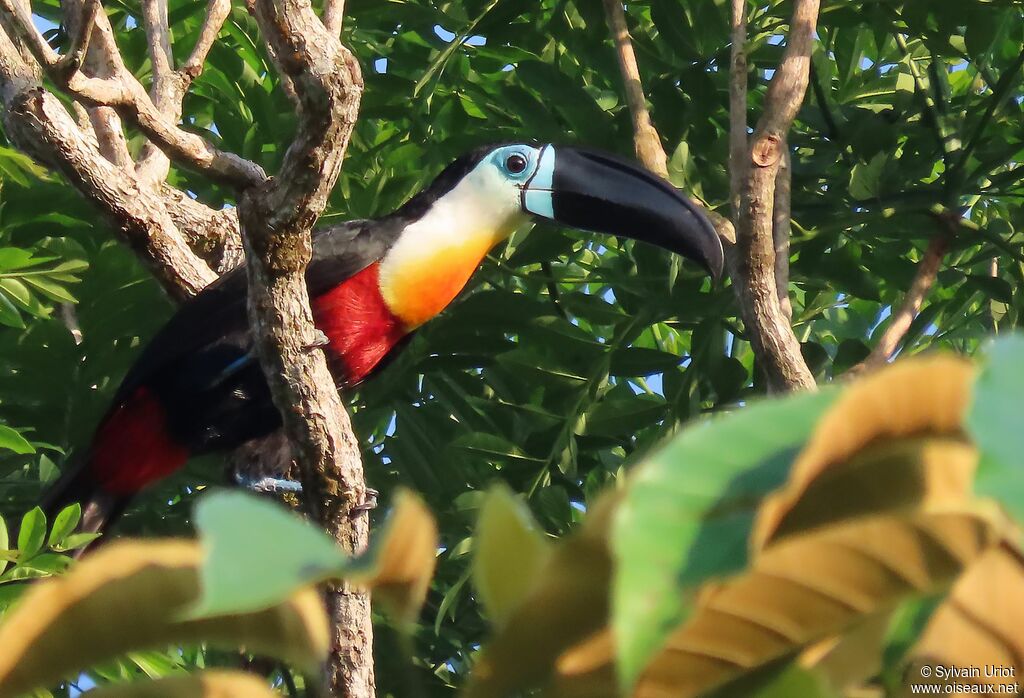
x,y
551,376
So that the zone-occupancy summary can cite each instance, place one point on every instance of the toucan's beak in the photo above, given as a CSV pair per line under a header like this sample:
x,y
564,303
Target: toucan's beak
x,y
599,192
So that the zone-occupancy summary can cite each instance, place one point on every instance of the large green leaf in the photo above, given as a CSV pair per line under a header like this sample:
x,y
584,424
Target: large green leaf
x,y
688,512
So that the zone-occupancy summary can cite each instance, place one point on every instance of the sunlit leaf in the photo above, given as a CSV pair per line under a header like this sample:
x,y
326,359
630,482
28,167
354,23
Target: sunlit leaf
x,y
509,554
688,512
42,637
808,587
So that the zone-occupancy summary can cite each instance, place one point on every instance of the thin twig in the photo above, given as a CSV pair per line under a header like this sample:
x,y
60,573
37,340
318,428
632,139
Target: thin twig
x,y
781,229
216,14
903,317
737,105
127,95
168,91
646,140
334,13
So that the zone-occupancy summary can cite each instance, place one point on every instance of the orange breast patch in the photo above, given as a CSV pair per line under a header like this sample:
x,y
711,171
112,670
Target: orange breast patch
x,y
418,289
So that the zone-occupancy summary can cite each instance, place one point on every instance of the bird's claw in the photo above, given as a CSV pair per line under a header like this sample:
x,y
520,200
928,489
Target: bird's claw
x,y
271,485
319,340
369,503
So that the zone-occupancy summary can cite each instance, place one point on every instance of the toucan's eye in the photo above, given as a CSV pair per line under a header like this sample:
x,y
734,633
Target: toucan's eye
x,y
515,163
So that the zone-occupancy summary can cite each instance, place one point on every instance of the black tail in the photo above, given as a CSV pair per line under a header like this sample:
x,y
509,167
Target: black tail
x,y
99,507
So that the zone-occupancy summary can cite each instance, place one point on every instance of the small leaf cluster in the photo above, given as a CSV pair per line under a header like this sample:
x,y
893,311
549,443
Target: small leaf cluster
x,y
36,553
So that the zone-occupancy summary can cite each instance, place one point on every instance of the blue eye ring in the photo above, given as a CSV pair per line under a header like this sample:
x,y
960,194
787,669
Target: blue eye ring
x,y
516,163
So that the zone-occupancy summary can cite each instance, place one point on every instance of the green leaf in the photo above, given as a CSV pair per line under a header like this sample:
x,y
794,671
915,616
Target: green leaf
x,y
65,522
258,554
688,511
17,290
492,446
510,551
76,541
50,289
14,258
993,421
32,533
865,179
618,416
14,441
4,543
640,361
47,564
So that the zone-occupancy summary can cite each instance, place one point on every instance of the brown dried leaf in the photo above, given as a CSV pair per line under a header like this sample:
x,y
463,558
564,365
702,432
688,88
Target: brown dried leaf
x,y
403,566
978,625
837,475
132,596
587,670
808,587
846,661
207,684
566,607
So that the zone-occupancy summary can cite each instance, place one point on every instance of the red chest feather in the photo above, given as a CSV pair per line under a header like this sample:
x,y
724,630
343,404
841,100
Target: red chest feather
x,y
133,448
360,327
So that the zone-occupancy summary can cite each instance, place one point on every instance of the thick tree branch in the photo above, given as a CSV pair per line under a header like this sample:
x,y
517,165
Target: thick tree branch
x,y
276,219
777,348
646,140
212,234
124,93
38,123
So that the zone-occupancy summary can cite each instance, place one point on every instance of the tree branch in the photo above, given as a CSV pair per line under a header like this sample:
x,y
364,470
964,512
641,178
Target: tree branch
x,y
124,93
903,317
212,234
737,105
169,89
646,140
775,345
102,59
781,230
334,12
276,219
38,123
216,14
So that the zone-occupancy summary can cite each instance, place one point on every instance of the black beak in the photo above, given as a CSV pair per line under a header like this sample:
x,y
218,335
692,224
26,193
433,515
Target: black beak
x,y
595,191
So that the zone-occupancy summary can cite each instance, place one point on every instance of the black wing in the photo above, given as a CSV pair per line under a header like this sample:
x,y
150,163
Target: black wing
x,y
209,333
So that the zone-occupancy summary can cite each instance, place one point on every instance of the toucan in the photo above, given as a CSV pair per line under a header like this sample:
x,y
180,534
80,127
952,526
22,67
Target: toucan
x,y
198,387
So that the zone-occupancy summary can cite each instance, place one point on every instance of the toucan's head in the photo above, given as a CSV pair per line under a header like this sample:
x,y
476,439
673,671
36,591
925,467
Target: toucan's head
x,y
478,200
583,189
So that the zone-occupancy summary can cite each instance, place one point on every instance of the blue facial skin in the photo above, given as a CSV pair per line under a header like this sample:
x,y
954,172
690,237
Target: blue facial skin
x,y
537,193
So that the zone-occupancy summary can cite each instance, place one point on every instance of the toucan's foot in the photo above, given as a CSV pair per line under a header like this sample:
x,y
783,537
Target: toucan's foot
x,y
319,340
271,485
369,503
